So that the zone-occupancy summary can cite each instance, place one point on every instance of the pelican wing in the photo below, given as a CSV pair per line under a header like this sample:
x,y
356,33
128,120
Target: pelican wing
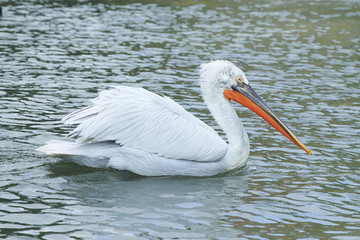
x,y
137,118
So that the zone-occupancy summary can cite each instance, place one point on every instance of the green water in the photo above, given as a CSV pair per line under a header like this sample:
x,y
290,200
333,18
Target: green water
x,y
302,57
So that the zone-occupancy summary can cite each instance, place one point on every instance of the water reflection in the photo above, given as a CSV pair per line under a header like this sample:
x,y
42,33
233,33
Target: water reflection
x,y
302,57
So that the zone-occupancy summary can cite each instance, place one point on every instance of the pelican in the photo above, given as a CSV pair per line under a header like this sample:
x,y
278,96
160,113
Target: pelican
x,y
128,128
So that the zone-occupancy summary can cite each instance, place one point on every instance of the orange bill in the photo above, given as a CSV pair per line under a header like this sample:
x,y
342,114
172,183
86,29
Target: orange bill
x,y
245,95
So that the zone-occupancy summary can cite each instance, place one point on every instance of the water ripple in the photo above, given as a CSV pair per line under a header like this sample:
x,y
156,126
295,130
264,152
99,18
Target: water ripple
x,y
302,57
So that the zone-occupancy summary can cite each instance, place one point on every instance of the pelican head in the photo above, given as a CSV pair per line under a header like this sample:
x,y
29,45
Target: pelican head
x,y
222,80
217,76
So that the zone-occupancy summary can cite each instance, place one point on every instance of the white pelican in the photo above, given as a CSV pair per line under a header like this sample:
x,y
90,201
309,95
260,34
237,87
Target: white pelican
x,y
132,129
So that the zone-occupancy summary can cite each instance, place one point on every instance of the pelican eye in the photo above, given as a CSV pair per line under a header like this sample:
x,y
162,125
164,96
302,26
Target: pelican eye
x,y
239,79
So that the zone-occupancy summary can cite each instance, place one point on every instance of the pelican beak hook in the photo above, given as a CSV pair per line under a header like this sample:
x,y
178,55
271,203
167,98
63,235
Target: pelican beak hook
x,y
246,96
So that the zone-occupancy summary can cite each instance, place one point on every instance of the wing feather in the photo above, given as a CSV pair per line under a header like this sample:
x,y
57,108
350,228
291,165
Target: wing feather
x,y
140,119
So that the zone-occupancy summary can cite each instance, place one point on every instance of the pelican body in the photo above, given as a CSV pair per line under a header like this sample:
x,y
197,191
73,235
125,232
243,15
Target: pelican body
x,y
132,129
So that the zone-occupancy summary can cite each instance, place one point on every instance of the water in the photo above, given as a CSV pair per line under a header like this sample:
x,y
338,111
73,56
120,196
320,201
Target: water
x,y
302,57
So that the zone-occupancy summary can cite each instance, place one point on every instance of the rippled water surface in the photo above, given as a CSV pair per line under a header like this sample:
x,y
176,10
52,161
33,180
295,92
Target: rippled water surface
x,y
301,56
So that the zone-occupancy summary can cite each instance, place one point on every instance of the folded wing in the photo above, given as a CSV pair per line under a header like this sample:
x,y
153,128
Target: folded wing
x,y
142,120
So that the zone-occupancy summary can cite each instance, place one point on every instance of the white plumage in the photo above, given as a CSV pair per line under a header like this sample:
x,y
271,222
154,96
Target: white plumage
x,y
137,118
129,128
